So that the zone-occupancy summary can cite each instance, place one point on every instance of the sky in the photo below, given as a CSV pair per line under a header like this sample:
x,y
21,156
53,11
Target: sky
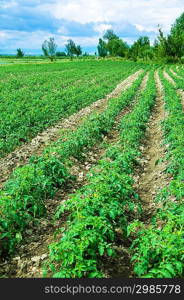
x,y
26,24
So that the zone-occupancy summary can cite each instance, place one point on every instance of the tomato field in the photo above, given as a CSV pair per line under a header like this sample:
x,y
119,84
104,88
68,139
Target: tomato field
x,y
92,170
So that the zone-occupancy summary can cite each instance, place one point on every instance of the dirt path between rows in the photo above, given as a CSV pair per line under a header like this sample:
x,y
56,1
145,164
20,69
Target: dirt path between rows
x,y
166,75
27,263
21,155
151,176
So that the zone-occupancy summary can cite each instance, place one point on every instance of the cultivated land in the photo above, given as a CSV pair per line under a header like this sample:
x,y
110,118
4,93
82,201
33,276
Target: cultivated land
x,y
92,170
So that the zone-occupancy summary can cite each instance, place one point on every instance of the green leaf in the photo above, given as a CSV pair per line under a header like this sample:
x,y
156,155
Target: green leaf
x,y
165,273
110,251
18,237
101,250
179,266
170,268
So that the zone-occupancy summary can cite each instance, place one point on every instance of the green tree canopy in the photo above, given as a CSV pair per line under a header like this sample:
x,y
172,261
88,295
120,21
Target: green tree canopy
x,y
72,49
176,37
110,35
20,53
102,48
114,45
78,50
117,47
141,49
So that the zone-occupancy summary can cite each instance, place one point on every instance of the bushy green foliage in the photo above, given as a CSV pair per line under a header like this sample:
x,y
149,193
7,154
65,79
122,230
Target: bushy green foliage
x,y
73,49
22,198
141,49
158,249
112,45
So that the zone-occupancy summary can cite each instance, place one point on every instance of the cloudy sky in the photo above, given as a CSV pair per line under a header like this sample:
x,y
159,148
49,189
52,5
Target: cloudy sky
x,y
27,23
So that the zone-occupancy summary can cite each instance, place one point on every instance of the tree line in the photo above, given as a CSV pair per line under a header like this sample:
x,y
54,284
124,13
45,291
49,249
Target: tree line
x,y
49,49
169,48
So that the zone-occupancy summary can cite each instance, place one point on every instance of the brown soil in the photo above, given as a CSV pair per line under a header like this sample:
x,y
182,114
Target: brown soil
x,y
22,154
30,256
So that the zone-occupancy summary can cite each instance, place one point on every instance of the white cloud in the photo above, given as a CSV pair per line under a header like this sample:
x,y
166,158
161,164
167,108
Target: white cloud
x,y
147,13
62,30
15,39
146,28
5,4
2,34
34,40
101,28
128,17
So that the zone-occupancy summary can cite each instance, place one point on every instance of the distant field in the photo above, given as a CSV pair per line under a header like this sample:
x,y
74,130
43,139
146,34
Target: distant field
x,y
34,97
28,60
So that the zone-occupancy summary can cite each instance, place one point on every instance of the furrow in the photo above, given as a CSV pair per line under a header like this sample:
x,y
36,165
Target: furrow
x,y
166,75
151,176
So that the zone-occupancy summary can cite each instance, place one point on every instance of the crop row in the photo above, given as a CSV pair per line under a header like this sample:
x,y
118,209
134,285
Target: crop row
x,y
179,81
158,249
23,196
32,103
104,204
179,71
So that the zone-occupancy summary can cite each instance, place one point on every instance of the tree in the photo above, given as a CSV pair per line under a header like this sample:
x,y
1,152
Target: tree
x,y
176,38
49,48
71,48
114,45
102,48
110,35
141,49
78,50
117,47
171,47
20,53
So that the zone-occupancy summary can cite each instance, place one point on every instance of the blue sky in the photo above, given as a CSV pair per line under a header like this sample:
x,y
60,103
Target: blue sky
x,y
26,24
